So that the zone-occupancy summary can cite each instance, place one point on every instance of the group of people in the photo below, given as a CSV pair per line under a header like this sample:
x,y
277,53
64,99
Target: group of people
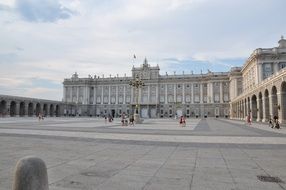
x,y
124,120
40,116
273,122
109,118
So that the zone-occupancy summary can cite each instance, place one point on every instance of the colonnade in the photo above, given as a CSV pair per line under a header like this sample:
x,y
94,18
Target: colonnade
x,y
27,108
263,104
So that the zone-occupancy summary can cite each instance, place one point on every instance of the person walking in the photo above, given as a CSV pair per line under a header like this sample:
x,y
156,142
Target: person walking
x,y
249,118
182,121
131,120
123,119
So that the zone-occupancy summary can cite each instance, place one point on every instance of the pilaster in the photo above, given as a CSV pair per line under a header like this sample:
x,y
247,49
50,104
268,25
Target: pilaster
x,y
183,93
101,94
221,92
201,93
94,94
166,93
109,94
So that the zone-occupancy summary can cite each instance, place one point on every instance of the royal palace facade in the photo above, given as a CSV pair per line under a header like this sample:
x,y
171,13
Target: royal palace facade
x,y
193,95
258,88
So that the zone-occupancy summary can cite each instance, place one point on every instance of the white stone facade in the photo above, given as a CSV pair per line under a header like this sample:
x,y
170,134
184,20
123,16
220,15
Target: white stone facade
x,y
263,93
11,106
193,95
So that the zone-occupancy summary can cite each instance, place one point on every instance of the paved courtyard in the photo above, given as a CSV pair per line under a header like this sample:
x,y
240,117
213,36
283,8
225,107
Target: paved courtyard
x,y
87,153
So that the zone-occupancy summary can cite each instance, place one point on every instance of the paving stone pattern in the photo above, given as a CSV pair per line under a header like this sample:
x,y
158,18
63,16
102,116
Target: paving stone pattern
x,y
87,153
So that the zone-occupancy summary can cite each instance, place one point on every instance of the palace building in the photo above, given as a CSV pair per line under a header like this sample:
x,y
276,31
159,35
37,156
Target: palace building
x,y
261,85
193,95
257,88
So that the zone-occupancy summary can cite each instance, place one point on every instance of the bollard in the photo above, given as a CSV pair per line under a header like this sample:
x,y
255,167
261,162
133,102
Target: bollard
x,y
30,174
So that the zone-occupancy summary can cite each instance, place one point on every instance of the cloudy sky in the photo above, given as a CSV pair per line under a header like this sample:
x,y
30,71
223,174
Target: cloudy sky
x,y
44,41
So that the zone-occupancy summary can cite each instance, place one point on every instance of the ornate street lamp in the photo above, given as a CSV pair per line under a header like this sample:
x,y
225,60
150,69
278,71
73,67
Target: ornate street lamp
x,y
137,83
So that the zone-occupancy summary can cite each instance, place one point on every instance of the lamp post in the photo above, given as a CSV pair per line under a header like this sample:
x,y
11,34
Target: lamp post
x,y
137,83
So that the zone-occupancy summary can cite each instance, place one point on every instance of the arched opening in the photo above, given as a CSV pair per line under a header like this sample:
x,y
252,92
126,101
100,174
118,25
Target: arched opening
x,y
254,107
12,108
242,109
283,101
38,109
245,107
22,109
274,102
45,110
260,106
248,106
51,110
266,102
30,109
57,110
3,108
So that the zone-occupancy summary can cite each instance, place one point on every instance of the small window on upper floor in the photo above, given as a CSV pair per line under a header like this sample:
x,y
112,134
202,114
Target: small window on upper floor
x,y
282,65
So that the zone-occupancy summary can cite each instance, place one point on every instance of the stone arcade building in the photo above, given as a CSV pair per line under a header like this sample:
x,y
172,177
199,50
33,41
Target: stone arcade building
x,y
258,88
263,82
193,95
22,106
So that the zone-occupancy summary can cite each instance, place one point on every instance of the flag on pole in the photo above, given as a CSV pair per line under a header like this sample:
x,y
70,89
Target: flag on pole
x,y
134,56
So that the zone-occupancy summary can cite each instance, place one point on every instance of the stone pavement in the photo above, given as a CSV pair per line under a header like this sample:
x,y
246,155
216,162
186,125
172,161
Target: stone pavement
x,y
87,153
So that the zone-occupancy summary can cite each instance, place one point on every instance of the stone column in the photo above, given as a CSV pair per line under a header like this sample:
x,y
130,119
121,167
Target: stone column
x,y
251,109
270,106
221,93
259,108
71,95
86,95
77,94
193,101
157,94
94,94
116,96
17,114
283,107
246,107
166,93
280,103
201,93
124,94
211,92
27,109
183,93
175,92
64,94
148,95
109,94
238,110
132,95
102,94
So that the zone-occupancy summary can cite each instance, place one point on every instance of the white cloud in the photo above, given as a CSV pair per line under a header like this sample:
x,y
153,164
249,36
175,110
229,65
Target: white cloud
x,y
103,36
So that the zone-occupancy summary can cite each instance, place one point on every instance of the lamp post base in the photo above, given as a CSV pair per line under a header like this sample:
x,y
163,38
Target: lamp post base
x,y
137,118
